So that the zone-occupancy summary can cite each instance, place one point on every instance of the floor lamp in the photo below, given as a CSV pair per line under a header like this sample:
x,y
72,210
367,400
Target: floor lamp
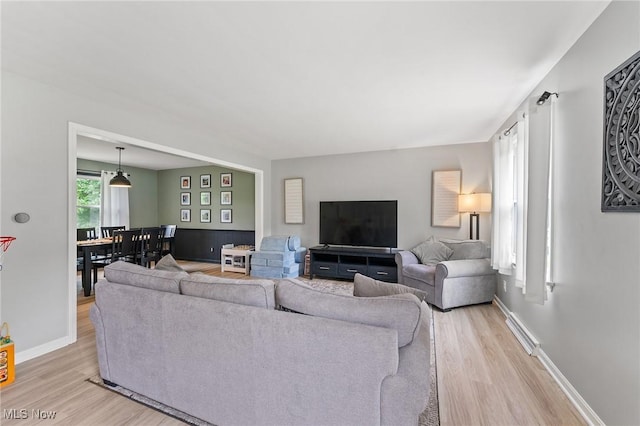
x,y
474,204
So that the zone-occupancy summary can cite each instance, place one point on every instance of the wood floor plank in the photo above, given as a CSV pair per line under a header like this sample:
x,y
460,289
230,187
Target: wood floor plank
x,y
484,377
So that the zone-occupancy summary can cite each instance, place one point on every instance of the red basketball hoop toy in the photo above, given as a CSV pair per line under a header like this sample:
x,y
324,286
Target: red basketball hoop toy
x,y
5,242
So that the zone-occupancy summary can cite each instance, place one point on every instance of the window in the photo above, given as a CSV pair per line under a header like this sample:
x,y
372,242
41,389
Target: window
x,y
88,201
523,237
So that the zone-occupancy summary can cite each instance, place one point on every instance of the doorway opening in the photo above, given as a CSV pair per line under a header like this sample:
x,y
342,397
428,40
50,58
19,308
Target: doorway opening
x,y
75,131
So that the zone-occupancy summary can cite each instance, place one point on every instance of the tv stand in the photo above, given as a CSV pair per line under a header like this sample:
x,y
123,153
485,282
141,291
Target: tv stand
x,y
345,262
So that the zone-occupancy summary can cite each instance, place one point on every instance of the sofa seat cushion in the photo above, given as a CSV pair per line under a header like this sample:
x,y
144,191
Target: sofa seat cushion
x,y
259,293
400,312
425,273
139,276
432,252
364,286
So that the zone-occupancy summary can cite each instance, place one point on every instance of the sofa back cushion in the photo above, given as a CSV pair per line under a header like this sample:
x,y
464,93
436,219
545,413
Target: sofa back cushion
x,y
139,276
467,249
259,293
400,312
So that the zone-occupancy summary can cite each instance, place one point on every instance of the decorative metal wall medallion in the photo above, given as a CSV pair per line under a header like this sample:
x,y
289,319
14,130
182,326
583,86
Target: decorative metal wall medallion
x,y
621,144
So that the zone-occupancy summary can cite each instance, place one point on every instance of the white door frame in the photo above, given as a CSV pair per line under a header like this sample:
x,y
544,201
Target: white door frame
x,y
75,130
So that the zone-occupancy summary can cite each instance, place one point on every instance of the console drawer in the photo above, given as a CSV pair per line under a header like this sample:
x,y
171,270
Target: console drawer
x,y
349,270
383,273
324,268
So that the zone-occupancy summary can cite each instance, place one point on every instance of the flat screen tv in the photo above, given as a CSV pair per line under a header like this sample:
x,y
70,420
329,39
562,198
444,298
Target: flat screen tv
x,y
359,223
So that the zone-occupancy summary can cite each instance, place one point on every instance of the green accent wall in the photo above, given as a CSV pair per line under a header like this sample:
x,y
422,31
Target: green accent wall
x,y
143,194
154,197
242,198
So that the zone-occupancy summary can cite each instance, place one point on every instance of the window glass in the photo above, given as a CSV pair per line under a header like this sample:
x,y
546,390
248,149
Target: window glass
x,y
88,202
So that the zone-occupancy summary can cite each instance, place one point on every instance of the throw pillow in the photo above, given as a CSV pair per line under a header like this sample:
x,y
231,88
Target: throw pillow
x,y
432,252
400,312
168,263
364,286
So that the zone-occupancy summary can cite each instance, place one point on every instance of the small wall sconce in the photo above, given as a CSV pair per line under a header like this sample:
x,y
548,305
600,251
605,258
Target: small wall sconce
x,y
474,204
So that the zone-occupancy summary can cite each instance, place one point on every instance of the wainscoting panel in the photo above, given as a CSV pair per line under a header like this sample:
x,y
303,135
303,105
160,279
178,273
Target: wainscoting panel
x,y
204,245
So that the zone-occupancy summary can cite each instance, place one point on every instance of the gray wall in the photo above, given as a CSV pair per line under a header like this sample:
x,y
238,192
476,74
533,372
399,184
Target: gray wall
x,y
142,194
403,175
242,197
35,174
590,326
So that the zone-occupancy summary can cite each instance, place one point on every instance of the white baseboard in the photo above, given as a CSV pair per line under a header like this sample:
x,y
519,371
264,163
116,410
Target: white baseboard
x,y
529,341
42,349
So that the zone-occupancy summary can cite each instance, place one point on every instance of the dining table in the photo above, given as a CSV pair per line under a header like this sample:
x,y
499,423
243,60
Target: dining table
x,y
89,247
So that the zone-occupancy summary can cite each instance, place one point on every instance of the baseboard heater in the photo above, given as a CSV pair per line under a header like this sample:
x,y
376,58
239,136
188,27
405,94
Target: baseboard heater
x,y
526,339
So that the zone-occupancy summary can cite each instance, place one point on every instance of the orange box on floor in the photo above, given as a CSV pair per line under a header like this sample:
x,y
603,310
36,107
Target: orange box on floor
x,y
7,358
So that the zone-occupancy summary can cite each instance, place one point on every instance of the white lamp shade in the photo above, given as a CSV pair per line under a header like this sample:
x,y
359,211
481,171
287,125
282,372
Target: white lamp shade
x,y
474,203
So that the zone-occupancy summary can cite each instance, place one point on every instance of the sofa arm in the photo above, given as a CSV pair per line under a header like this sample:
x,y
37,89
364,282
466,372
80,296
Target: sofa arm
x,y
464,268
404,258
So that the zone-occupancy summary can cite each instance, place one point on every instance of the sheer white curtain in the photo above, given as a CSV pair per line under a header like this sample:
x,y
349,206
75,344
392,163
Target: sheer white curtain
x,y
541,213
510,201
523,237
114,203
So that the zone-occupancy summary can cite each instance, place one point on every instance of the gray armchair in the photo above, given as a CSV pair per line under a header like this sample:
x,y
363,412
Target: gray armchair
x,y
465,278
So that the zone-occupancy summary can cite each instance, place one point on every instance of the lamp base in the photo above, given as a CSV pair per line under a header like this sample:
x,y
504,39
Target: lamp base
x,y
477,217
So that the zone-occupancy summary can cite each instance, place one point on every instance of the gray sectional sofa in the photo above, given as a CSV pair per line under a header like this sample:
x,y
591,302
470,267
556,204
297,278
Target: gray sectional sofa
x,y
221,351
450,272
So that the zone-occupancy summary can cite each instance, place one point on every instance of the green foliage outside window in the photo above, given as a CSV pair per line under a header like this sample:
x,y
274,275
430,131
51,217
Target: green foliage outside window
x,y
88,202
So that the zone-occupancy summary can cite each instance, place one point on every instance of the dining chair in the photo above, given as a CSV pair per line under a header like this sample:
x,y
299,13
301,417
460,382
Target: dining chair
x,y
107,231
167,239
84,234
125,246
151,245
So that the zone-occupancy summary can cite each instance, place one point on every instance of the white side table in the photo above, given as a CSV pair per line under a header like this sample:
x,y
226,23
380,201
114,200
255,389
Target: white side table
x,y
236,259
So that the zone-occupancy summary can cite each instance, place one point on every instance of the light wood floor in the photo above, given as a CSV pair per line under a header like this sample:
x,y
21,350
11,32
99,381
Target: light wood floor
x,y
484,378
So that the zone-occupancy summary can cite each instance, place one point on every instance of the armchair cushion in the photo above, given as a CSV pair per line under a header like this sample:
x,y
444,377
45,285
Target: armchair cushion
x,y
432,252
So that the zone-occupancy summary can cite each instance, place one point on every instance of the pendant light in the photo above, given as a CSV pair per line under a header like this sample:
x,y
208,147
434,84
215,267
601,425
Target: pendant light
x,y
119,180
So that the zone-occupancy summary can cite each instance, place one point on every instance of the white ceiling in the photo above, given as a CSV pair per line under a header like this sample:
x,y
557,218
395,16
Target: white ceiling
x,y
134,156
295,79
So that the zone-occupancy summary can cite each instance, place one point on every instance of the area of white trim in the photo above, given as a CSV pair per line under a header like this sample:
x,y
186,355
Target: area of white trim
x,y
43,349
576,399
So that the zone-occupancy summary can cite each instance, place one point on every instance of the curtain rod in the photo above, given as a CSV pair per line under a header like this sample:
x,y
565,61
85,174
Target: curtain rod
x,y
88,172
506,132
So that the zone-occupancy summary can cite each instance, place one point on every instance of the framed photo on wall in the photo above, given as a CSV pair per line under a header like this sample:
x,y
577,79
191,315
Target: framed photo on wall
x,y
225,216
205,198
185,198
185,215
205,181
225,198
205,215
225,180
185,182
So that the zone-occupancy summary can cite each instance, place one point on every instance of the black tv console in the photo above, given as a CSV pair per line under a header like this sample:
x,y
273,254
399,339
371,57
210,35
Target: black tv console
x,y
345,262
